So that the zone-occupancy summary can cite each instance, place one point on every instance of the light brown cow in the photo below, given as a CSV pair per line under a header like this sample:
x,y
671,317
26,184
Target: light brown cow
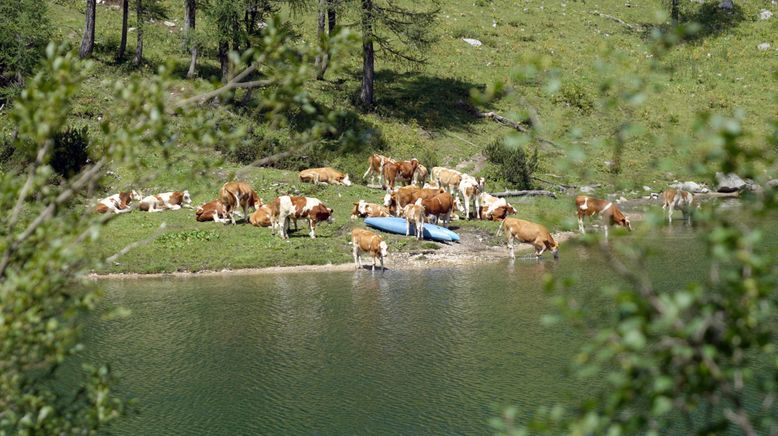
x,y
610,213
672,199
363,209
529,233
324,176
261,216
117,203
375,166
285,208
400,171
420,175
365,241
440,208
212,211
447,178
238,194
165,201
414,214
397,199
471,188
494,208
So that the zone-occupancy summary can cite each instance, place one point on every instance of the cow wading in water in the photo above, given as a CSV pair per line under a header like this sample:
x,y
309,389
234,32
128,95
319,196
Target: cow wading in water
x,y
610,213
365,241
677,199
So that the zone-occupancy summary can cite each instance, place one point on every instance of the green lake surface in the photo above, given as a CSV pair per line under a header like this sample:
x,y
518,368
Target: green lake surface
x,y
404,352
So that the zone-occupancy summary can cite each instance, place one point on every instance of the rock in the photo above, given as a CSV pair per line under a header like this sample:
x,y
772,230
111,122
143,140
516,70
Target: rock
x,y
131,29
693,187
729,182
169,23
764,46
473,42
647,188
765,14
621,200
586,189
772,184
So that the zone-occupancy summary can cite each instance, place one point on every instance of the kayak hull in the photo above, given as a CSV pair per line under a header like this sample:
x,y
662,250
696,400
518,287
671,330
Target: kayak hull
x,y
397,226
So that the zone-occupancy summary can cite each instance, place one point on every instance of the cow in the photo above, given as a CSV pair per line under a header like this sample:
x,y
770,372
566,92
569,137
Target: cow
x,y
672,199
212,211
285,208
167,200
610,213
447,178
414,214
365,241
363,209
471,188
529,233
238,194
399,171
494,208
261,216
440,207
324,176
398,198
375,166
117,203
420,175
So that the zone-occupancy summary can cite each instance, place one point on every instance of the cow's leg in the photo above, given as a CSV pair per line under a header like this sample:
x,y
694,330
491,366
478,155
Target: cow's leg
x,y
174,207
477,207
382,263
419,229
312,226
606,225
373,263
540,247
407,226
510,245
670,211
581,224
356,255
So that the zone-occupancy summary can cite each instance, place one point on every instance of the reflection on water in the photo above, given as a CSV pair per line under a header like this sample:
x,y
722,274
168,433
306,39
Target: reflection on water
x,y
428,351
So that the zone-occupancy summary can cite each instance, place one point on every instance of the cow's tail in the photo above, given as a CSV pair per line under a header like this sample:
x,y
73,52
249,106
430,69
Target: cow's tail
x,y
499,229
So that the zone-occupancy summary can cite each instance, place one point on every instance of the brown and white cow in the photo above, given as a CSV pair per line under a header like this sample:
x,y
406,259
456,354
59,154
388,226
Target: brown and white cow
x,y
238,195
324,176
610,213
214,210
494,208
440,207
398,198
529,233
165,201
117,203
471,188
286,207
375,166
446,178
363,209
365,241
677,199
420,175
261,216
414,215
400,171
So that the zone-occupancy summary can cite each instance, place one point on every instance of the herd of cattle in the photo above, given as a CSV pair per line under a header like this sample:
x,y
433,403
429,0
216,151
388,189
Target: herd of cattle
x,y
436,201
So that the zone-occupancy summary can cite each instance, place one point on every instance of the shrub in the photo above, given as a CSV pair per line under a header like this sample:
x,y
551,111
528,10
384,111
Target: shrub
x,y
576,96
514,164
69,154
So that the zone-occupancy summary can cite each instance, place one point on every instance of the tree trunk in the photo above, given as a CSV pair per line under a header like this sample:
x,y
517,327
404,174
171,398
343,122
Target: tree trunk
x,y
123,42
675,13
139,47
322,59
88,41
224,47
368,68
331,16
190,10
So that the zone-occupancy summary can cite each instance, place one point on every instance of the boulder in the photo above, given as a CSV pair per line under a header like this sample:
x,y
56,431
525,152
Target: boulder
x,y
772,184
473,42
765,14
730,182
693,187
764,46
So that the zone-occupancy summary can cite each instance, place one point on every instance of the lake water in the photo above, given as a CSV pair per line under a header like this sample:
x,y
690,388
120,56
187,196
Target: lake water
x,y
418,351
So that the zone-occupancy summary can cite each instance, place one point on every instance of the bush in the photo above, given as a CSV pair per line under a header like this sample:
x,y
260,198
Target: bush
x,y
69,154
24,32
515,166
575,96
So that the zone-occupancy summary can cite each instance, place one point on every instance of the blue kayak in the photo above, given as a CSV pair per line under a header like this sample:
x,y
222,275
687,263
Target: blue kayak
x,y
397,225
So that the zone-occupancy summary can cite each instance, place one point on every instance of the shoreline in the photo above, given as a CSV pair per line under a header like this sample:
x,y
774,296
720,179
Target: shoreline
x,y
462,254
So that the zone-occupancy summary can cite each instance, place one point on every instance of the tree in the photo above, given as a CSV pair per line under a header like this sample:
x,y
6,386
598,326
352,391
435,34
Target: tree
x,y
139,45
123,41
383,22
327,14
88,41
190,10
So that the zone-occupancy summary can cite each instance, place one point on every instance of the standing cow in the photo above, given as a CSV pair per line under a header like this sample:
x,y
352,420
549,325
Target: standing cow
x,y
610,213
375,166
400,171
286,208
677,199
238,194
365,241
529,233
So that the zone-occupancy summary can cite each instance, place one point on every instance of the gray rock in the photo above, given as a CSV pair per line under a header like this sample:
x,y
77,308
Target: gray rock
x,y
473,42
729,182
765,14
586,189
772,184
764,46
647,188
693,187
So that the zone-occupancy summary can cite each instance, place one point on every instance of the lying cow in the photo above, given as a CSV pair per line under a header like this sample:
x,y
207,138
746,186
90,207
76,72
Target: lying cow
x,y
365,241
285,208
166,201
494,208
235,195
261,217
364,209
529,233
214,210
375,166
117,203
324,176
414,214
676,199
439,208
400,171
610,213
471,188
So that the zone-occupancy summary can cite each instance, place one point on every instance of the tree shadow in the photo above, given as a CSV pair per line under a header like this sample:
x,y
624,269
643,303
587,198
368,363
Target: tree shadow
x,y
432,102
711,19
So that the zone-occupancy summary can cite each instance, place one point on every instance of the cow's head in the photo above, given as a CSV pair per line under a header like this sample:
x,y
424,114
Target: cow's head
x,y
355,210
255,201
555,249
135,195
388,197
481,184
345,180
384,249
620,219
510,210
186,200
330,218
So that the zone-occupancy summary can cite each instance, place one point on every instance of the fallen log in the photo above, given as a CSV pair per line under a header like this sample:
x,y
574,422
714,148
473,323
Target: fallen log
x,y
516,125
718,194
525,193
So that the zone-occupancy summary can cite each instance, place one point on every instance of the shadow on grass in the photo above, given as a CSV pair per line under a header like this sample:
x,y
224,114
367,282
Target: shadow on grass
x,y
432,102
711,19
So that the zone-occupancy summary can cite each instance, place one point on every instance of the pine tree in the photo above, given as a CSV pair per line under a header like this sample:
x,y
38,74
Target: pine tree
x,y
123,42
